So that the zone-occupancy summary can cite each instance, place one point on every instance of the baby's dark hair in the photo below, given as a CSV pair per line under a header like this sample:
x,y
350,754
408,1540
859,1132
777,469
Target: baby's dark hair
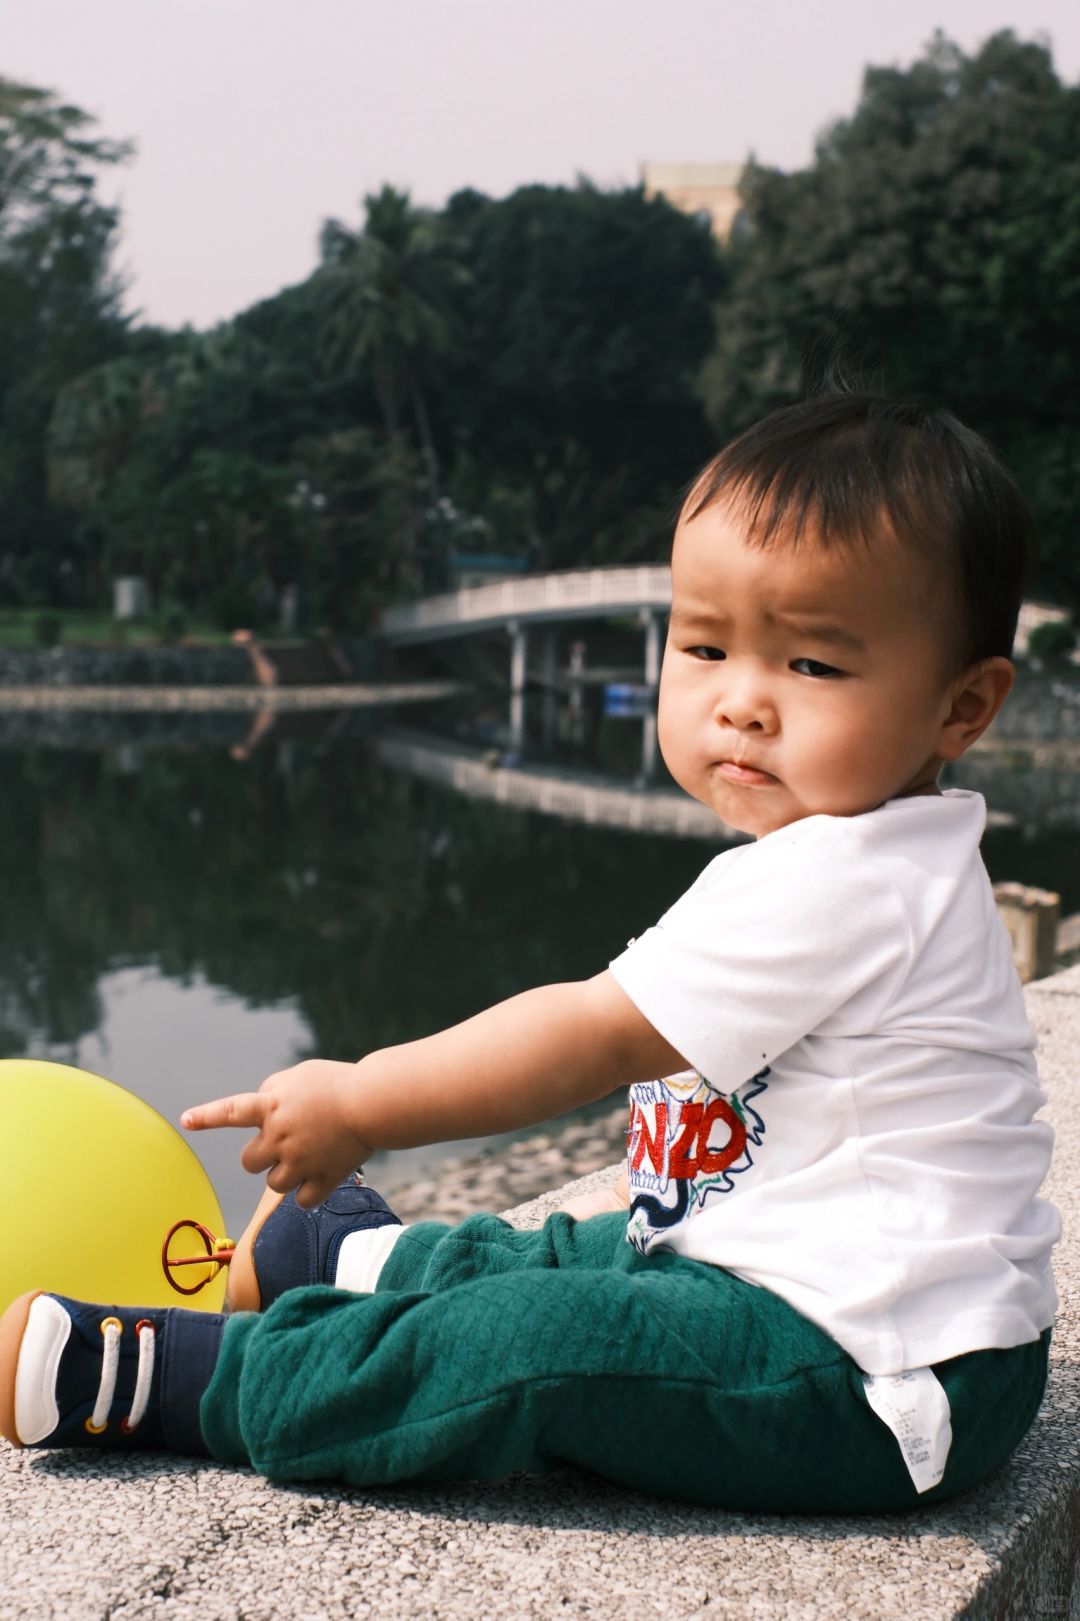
x,y
847,465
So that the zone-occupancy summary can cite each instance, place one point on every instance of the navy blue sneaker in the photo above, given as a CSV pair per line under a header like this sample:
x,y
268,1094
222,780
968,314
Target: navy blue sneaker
x,y
284,1247
78,1375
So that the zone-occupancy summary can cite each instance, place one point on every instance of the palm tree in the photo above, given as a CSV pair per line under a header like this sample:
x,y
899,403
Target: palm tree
x,y
389,292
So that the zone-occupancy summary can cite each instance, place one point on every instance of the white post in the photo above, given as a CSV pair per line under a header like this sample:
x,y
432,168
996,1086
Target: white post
x,y
1031,918
651,622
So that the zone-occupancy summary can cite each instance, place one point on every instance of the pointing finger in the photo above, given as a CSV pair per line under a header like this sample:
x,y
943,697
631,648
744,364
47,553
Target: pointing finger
x,y
243,1109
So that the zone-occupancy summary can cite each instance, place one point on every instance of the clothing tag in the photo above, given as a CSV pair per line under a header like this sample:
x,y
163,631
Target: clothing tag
x,y
915,1407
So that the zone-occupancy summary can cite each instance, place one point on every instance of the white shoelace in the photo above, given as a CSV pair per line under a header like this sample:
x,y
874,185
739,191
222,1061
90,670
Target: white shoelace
x,y
112,1329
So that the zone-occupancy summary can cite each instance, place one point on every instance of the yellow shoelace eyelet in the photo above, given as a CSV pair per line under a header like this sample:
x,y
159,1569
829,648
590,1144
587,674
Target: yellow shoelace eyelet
x,y
88,1423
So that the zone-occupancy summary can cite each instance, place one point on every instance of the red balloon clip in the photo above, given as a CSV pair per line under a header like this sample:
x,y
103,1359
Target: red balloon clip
x,y
217,1252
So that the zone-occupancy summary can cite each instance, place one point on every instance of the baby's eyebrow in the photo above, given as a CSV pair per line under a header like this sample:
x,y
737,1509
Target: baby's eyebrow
x,y
822,630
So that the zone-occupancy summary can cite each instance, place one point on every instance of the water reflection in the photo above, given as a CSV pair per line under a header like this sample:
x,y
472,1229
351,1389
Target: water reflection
x,y
554,790
314,897
172,1040
175,1042
187,921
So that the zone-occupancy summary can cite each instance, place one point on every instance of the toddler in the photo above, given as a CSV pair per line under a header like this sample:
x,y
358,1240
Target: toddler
x,y
828,1287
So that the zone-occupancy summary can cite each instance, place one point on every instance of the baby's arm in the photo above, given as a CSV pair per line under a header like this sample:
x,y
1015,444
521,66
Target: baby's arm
x,y
539,1054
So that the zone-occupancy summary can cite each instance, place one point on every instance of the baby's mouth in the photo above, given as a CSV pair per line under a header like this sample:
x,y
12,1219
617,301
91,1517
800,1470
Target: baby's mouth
x,y
747,775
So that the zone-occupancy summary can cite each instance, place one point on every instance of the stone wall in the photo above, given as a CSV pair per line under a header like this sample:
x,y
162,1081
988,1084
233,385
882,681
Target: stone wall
x,y
125,666
1039,797
180,666
1029,764
1041,707
64,727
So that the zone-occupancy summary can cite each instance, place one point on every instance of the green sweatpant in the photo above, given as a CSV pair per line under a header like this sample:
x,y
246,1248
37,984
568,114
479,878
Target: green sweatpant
x,y
486,1350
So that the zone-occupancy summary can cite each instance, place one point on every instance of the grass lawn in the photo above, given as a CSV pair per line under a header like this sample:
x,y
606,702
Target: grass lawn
x,y
90,627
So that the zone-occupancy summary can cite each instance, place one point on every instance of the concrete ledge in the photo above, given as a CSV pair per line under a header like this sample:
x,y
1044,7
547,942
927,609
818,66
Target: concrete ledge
x,y
132,699
163,1538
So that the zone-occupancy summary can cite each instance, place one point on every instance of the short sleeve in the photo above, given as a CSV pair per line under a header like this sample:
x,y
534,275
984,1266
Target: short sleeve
x,y
767,945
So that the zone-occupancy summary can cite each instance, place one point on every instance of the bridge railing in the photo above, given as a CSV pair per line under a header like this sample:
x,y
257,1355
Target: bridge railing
x,y
645,585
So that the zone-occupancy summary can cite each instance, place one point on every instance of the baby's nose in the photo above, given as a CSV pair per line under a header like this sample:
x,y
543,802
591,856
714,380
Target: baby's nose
x,y
746,706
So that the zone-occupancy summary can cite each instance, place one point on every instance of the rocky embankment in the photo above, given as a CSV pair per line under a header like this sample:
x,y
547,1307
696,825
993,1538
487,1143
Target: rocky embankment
x,y
499,1179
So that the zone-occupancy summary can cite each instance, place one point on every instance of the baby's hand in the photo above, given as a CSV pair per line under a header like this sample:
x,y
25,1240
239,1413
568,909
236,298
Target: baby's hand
x,y
304,1138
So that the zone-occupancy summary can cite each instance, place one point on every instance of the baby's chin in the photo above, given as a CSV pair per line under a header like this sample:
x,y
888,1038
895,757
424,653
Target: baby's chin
x,y
766,808
764,823
757,818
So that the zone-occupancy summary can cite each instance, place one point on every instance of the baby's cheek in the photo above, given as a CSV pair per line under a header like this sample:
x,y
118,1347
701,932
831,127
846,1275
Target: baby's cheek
x,y
675,740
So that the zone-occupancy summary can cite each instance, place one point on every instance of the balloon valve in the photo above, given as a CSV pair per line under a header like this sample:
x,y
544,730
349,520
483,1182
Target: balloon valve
x,y
217,1252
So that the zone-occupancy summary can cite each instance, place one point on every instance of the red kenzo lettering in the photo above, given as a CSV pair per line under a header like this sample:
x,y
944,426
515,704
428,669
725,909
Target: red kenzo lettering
x,y
655,1144
683,1165
690,1152
710,1163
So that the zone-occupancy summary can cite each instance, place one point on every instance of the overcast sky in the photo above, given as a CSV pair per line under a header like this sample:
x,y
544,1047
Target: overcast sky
x,y
256,119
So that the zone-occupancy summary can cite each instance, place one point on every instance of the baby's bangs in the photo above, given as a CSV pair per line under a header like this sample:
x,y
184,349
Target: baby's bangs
x,y
859,469
842,483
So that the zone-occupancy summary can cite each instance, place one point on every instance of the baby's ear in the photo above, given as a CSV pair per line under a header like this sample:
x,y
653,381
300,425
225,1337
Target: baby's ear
x,y
977,696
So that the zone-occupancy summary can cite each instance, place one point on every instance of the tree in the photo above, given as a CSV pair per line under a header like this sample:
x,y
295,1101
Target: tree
x,y
48,156
587,317
206,463
388,293
935,240
389,300
60,305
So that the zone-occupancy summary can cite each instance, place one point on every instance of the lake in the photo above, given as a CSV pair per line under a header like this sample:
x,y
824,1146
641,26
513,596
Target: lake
x,y
192,902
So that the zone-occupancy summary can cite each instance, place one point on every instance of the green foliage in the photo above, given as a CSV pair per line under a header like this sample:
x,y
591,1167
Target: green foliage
x,y
48,155
233,608
358,503
1052,641
388,311
171,623
536,375
158,455
48,628
587,315
935,240
388,302
59,312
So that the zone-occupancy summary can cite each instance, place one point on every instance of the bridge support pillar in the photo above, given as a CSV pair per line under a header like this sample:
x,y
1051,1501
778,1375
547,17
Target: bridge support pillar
x,y
652,623
519,644
550,675
648,749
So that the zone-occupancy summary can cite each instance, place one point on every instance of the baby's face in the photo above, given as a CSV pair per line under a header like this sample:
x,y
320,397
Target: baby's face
x,y
798,680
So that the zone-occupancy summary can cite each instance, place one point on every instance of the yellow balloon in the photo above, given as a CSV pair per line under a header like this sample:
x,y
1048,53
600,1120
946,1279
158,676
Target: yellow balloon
x,y
93,1179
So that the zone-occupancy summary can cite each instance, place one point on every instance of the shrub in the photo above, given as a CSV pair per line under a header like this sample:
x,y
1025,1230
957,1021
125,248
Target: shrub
x,y
1052,642
232,608
172,622
48,628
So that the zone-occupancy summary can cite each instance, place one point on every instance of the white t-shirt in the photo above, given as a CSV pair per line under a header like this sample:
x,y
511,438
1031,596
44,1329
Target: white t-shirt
x,y
857,1131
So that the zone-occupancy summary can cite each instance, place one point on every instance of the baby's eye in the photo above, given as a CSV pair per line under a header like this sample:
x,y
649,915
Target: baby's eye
x,y
710,654
814,667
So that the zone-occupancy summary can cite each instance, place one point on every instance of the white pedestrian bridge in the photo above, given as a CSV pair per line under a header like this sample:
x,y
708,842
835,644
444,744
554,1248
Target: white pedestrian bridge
x,y
642,589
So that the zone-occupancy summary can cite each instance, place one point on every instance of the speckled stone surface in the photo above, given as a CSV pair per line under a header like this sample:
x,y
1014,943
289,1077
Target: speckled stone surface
x,y
160,1537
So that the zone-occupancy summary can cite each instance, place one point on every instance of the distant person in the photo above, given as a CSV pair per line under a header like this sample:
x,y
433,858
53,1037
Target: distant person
x,y
831,1290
